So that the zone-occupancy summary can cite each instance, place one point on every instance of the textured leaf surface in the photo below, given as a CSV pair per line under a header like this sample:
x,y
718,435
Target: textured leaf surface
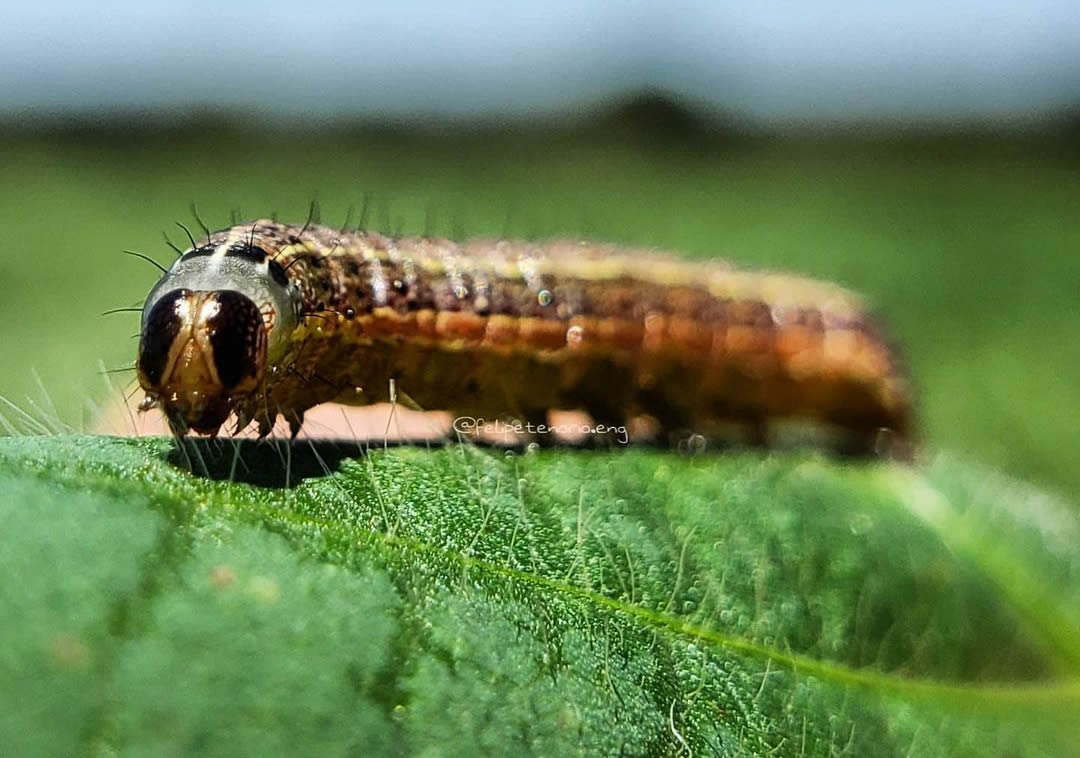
x,y
461,601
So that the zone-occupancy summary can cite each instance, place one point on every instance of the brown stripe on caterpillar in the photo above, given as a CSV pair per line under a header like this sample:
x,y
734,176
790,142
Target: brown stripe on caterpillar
x,y
496,329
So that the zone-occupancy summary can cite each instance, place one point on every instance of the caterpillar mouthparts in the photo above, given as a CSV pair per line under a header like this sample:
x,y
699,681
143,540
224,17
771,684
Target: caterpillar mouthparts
x,y
267,319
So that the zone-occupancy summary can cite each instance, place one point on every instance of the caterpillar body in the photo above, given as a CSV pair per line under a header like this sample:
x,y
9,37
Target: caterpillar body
x,y
266,319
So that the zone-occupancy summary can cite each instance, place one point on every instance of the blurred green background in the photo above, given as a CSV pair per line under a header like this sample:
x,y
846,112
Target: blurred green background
x,y
968,246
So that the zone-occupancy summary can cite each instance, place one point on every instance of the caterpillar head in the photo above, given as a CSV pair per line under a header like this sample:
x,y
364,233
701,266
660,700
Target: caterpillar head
x,y
201,352
210,327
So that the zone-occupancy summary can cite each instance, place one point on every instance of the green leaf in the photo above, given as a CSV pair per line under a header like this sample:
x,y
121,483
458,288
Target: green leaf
x,y
462,601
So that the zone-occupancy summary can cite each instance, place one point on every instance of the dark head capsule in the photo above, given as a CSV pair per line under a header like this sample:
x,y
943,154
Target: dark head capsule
x,y
200,352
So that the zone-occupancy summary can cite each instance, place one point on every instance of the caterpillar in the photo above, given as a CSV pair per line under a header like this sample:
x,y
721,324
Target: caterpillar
x,y
265,319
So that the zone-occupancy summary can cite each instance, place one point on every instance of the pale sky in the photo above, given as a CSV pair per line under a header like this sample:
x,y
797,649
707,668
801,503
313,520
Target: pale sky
x,y
773,61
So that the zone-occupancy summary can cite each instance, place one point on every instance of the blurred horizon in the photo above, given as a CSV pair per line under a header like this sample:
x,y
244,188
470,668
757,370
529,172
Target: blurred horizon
x,y
646,113
832,63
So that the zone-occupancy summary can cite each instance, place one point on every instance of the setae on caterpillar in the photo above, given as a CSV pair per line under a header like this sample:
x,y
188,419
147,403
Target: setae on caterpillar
x,y
266,319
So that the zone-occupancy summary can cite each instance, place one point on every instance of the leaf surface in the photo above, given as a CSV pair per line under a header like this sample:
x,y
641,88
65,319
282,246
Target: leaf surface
x,y
462,601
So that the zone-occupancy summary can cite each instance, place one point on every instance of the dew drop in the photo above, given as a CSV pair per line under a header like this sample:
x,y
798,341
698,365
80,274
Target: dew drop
x,y
544,297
